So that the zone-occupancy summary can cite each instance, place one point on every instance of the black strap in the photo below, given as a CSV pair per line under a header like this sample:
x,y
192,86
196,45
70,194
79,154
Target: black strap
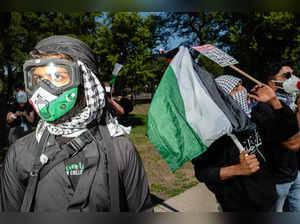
x,y
70,149
112,169
34,175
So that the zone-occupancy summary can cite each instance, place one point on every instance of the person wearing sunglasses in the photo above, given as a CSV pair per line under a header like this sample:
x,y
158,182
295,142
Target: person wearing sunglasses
x,y
278,73
284,162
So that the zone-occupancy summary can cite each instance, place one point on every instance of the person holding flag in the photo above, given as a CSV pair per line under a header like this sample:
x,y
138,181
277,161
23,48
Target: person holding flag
x,y
243,182
191,117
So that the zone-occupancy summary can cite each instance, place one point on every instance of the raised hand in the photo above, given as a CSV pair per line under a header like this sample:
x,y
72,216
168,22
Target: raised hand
x,y
263,93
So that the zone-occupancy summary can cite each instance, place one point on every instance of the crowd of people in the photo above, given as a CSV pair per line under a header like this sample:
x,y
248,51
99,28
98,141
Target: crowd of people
x,y
78,158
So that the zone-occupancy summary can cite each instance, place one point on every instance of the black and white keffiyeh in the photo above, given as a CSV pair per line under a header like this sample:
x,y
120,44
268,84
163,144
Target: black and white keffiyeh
x,y
228,83
95,100
288,99
241,98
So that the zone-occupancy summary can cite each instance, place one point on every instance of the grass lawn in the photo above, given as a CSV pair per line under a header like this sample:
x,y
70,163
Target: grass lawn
x,y
163,183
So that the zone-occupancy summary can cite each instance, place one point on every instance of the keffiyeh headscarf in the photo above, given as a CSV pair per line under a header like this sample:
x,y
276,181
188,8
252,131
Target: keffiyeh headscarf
x,y
94,92
228,83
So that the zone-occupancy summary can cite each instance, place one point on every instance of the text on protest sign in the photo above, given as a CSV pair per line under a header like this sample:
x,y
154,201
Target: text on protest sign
x,y
215,54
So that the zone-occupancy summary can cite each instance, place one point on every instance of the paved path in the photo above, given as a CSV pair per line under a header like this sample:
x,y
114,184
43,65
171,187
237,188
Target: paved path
x,y
196,200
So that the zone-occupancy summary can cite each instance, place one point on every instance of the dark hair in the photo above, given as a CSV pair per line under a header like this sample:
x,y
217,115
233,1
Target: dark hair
x,y
272,68
72,47
34,54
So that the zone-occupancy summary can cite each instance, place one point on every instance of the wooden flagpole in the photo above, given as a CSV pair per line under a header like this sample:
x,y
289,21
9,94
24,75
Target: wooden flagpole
x,y
245,74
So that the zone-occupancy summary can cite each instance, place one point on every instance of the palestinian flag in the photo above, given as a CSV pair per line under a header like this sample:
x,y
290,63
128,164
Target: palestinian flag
x,y
115,72
184,119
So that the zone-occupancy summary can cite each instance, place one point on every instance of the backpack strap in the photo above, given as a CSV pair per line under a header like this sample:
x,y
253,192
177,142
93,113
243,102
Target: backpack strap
x,y
34,174
113,169
70,149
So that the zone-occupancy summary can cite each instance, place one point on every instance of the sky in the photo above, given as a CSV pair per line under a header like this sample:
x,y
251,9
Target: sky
x,y
174,41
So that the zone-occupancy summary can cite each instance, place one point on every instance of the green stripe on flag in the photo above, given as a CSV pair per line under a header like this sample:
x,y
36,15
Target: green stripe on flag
x,y
167,127
114,77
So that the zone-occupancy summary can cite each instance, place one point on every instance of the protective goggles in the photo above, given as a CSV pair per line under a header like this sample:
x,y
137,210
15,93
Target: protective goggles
x,y
52,74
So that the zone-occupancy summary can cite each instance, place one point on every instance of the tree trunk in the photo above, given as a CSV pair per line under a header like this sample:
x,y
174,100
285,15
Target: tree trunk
x,y
9,81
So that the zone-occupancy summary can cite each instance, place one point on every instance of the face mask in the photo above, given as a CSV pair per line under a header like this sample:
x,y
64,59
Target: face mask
x,y
52,85
51,107
241,98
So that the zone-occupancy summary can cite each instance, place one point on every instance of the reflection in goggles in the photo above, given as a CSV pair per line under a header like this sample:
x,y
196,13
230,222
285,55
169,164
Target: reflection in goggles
x,y
58,76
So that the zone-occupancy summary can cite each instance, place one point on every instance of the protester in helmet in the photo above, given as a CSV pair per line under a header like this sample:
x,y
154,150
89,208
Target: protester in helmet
x,y
20,117
81,160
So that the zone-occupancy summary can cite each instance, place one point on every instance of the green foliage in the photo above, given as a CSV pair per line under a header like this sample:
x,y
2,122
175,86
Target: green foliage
x,y
253,38
21,31
129,39
210,66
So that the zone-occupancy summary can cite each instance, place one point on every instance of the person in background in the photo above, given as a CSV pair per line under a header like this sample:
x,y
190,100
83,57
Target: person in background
x,y
243,182
277,74
122,108
284,162
128,107
20,117
118,109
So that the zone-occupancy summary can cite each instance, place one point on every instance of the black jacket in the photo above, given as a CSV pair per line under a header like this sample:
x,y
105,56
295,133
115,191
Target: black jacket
x,y
244,193
55,192
271,125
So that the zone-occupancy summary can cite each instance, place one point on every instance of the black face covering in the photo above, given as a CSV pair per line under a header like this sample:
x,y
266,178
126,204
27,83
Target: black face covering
x,y
74,48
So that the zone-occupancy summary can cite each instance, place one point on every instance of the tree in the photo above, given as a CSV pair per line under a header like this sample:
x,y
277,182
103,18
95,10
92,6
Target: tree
x,y
129,39
19,34
263,37
23,30
253,38
198,28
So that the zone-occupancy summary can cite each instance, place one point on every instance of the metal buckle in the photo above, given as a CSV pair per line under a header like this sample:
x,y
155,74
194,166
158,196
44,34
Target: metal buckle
x,y
79,142
34,173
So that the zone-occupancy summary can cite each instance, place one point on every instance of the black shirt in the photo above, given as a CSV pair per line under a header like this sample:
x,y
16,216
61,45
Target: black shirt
x,y
126,104
246,193
283,161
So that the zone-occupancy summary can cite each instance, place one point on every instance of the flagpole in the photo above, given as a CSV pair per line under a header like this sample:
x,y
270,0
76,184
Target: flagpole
x,y
245,74
236,142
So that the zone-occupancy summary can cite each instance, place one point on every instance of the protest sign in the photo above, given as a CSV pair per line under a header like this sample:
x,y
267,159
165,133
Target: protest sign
x,y
217,55
222,59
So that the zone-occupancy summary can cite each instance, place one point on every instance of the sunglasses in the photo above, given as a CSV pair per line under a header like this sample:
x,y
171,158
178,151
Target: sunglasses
x,y
288,75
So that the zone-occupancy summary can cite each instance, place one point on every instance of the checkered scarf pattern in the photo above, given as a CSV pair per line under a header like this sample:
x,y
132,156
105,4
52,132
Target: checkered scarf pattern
x,y
94,94
227,82
241,98
288,99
